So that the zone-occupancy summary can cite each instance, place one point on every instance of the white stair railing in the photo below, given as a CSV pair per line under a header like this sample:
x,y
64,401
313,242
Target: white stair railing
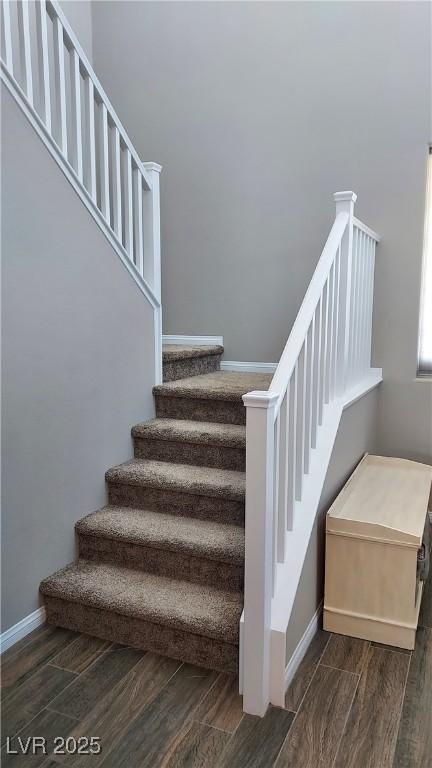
x,y
49,75
290,431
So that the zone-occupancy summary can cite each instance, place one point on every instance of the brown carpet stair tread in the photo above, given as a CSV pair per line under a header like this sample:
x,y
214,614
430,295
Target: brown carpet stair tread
x,y
200,538
174,352
186,478
219,385
199,432
189,607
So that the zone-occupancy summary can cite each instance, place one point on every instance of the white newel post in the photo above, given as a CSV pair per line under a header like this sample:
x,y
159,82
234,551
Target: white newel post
x,y
344,204
152,254
259,547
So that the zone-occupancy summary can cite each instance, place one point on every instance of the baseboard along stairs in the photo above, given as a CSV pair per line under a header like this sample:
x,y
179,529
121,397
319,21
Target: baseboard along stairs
x,y
161,566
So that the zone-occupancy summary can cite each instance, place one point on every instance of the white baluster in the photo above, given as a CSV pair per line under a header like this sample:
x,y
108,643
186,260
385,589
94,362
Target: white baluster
x,y
292,447
128,206
282,487
308,374
367,307
360,306
370,304
43,61
25,49
276,433
117,190
300,429
7,30
332,340
315,374
336,320
321,352
104,163
60,84
91,166
76,112
259,549
138,221
345,204
314,379
354,305
327,341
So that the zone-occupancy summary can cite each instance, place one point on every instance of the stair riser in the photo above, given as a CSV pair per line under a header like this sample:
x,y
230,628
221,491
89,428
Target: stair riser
x,y
194,366
185,646
162,562
199,454
220,411
189,505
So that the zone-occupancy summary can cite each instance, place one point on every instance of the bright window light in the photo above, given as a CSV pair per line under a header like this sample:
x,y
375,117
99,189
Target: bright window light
x,y
425,341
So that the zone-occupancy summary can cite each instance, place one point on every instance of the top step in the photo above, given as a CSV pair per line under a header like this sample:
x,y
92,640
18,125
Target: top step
x,y
180,361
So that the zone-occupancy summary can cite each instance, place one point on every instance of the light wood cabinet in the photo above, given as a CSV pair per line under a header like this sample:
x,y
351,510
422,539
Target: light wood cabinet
x,y
374,530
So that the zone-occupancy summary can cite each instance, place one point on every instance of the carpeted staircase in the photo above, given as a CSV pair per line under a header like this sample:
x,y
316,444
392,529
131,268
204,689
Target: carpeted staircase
x,y
161,567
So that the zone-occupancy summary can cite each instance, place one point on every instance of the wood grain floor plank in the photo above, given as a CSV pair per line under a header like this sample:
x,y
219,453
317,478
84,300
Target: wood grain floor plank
x,y
16,647
91,686
306,670
318,727
414,743
425,616
347,653
34,694
257,740
370,735
22,664
47,725
196,746
115,713
77,656
223,706
147,742
393,648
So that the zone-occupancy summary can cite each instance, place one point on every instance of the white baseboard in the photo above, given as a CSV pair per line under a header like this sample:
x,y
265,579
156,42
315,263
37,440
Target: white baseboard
x,y
194,341
302,647
234,365
22,628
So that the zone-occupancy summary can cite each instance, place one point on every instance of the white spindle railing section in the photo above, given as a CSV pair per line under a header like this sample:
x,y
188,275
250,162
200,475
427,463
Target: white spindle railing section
x,y
45,68
327,354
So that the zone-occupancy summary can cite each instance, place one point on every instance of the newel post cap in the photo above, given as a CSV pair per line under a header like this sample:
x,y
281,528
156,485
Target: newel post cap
x,y
345,197
259,399
152,167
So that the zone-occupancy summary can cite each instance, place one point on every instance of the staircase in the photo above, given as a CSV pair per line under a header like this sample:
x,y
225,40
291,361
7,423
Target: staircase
x,y
187,530
161,566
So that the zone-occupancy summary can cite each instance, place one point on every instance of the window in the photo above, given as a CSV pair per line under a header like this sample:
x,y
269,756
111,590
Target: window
x,y
425,341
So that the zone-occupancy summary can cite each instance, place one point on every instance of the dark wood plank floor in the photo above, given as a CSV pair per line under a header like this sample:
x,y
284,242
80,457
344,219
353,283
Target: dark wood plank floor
x,y
352,704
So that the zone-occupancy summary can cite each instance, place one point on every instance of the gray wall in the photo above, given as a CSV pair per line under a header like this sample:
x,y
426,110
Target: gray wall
x,y
79,16
77,363
356,436
259,112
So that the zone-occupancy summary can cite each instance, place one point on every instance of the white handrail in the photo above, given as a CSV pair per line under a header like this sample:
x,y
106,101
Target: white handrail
x,y
296,338
290,430
50,77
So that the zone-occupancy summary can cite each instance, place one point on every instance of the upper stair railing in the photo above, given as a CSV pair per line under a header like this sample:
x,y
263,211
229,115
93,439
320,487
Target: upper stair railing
x,y
48,73
290,431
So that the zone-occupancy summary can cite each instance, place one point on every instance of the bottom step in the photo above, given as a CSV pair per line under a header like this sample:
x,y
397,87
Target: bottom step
x,y
190,622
